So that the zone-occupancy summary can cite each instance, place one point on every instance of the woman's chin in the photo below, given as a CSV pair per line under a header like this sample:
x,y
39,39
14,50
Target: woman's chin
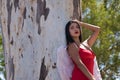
x,y
75,36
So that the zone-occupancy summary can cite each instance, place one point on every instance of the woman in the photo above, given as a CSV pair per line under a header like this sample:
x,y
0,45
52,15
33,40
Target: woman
x,y
80,52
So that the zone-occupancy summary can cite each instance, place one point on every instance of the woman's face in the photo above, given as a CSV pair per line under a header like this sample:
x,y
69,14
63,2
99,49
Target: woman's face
x,y
74,30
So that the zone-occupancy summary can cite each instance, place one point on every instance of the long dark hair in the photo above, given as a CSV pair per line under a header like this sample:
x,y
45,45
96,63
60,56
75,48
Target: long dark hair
x,y
69,38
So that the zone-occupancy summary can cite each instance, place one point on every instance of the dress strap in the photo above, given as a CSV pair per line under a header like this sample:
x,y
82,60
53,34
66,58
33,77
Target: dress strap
x,y
86,47
76,45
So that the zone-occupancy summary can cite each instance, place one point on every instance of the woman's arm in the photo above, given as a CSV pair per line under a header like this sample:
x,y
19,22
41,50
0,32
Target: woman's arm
x,y
73,52
95,29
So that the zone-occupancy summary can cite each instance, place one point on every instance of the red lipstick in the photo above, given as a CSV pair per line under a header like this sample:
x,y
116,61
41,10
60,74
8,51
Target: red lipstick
x,y
76,32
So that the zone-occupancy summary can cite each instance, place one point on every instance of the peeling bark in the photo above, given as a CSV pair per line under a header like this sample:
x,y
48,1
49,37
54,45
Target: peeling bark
x,y
54,66
43,71
24,13
30,38
24,16
31,35
41,10
76,9
11,42
16,4
11,65
9,9
0,9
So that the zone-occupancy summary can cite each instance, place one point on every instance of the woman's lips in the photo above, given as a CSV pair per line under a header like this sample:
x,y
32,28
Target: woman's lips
x,y
76,32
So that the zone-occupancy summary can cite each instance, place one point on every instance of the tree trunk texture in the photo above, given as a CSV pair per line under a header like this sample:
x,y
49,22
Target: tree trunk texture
x,y
0,14
32,31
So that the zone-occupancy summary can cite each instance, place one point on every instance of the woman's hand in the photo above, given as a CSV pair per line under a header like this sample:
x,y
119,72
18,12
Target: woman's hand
x,y
79,22
75,20
95,29
93,78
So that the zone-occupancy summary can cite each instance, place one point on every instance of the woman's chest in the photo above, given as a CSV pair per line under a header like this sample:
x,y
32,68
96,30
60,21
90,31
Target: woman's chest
x,y
85,54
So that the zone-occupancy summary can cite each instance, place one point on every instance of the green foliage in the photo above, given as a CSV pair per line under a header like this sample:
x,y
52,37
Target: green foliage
x,y
2,63
106,14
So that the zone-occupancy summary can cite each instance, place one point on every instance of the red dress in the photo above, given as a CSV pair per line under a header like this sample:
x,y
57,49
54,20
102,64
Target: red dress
x,y
87,57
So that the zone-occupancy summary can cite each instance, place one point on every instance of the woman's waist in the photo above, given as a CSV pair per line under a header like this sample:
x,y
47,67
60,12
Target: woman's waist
x,y
89,64
76,69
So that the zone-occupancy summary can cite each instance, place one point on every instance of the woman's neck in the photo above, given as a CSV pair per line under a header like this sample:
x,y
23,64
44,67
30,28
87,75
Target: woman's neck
x,y
77,41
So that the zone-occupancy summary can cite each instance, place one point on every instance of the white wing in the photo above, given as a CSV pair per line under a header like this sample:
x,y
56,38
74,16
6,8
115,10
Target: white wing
x,y
64,63
96,70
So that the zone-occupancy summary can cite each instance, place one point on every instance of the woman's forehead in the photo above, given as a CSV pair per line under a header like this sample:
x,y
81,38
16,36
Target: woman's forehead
x,y
74,24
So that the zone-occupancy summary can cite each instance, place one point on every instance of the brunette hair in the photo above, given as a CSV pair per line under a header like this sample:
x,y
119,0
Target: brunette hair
x,y
69,38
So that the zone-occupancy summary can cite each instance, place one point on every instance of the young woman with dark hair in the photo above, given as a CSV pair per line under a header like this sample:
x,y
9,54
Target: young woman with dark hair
x,y
80,51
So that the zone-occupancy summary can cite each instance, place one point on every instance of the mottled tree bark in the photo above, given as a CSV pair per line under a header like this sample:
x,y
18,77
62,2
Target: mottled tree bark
x,y
0,12
32,31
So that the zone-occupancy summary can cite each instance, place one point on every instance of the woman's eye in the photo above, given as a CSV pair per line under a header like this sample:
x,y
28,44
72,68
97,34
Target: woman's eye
x,y
72,27
77,26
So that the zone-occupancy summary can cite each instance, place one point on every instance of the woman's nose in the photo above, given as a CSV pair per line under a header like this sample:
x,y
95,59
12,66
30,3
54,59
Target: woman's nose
x,y
76,29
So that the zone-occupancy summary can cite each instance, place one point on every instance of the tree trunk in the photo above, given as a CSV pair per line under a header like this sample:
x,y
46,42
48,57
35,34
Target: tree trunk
x,y
0,6
32,31
0,14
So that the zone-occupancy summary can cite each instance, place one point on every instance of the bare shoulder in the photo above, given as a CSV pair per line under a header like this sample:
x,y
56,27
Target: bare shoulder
x,y
74,53
86,43
72,48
